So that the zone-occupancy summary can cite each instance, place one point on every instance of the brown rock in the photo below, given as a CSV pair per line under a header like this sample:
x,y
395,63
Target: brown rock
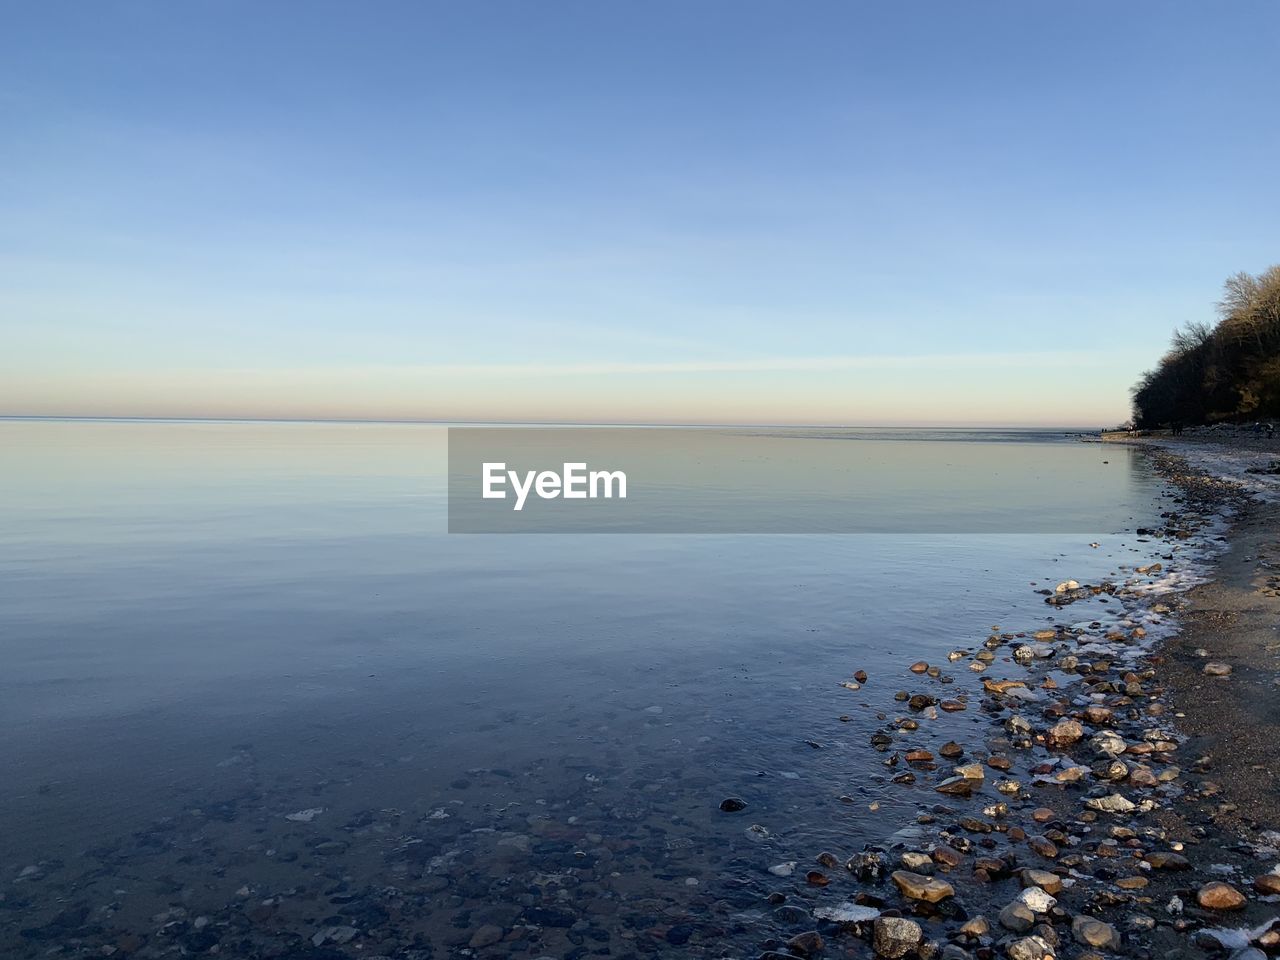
x,y
916,886
1167,860
1050,883
1064,733
1043,846
806,944
948,857
1220,896
1267,884
1097,715
1000,686
1095,933
956,786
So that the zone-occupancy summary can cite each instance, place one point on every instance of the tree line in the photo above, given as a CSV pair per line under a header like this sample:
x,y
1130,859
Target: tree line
x,y
1228,371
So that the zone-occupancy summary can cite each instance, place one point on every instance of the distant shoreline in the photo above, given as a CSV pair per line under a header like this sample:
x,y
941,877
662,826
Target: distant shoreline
x,y
958,426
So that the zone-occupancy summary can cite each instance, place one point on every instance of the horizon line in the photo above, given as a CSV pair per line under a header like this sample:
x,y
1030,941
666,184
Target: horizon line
x,y
920,425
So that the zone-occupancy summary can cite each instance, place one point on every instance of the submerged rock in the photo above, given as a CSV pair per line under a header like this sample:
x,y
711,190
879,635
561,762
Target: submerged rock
x,y
806,944
846,913
895,937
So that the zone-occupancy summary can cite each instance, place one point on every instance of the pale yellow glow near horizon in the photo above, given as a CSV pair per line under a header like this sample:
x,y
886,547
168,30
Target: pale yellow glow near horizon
x,y
1048,389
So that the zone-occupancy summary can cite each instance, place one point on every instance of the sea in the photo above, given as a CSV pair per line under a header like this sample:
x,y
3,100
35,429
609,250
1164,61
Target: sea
x,y
257,701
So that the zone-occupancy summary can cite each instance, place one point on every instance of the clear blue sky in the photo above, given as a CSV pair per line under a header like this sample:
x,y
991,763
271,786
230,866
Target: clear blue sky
x,y
817,212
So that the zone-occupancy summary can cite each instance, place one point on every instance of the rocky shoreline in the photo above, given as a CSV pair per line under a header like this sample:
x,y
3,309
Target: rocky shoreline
x,y
1087,819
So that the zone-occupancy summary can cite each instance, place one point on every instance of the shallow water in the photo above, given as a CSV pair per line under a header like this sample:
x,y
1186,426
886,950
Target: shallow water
x,y
208,627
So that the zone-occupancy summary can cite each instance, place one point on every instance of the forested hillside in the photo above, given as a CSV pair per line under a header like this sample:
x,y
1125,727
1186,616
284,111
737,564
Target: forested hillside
x,y
1224,372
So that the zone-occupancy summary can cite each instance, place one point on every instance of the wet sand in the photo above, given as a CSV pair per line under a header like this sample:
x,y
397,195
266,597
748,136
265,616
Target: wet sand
x,y
1234,722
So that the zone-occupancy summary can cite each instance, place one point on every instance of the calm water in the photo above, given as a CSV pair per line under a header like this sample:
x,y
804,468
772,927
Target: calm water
x,y
208,627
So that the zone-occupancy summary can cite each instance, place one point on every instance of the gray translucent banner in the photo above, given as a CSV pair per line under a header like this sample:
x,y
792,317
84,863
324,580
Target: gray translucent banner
x,y
780,480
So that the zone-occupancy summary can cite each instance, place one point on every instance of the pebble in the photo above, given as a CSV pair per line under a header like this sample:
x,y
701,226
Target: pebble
x,y
1064,733
1267,884
917,862
1037,900
1112,803
1030,948
1220,896
956,786
1043,846
339,934
1018,917
486,936
1167,860
916,886
806,944
948,857
1046,881
733,804
976,927
895,937
1095,933
1217,669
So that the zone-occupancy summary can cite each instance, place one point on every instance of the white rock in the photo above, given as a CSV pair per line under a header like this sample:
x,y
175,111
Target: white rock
x,y
1112,803
1037,900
